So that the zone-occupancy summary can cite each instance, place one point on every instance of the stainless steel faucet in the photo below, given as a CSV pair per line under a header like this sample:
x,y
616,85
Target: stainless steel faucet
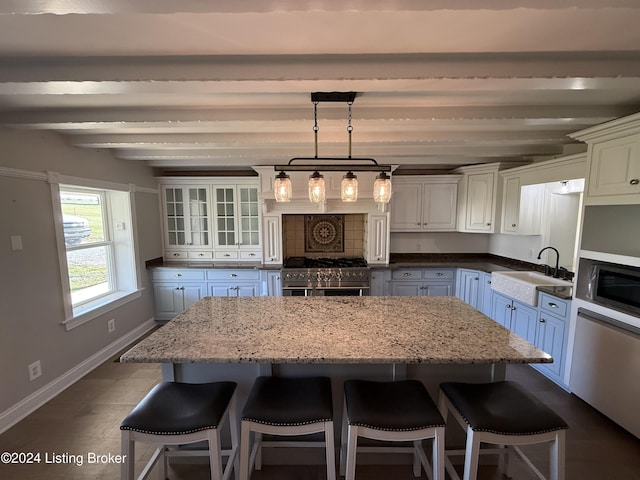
x,y
556,272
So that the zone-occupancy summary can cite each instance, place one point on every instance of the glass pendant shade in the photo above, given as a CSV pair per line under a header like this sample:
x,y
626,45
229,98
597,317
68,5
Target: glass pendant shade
x,y
382,188
349,188
316,188
282,187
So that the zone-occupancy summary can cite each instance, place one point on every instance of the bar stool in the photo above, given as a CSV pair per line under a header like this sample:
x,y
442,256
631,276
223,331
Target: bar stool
x,y
505,414
175,413
398,411
287,406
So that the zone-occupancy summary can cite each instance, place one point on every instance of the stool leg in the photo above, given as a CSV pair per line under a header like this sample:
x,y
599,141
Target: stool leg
x,y
352,447
343,440
330,451
438,454
471,456
245,457
233,430
417,464
557,456
257,438
127,447
215,457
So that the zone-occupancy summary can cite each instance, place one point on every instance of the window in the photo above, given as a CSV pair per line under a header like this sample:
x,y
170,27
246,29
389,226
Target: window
x,y
97,254
88,244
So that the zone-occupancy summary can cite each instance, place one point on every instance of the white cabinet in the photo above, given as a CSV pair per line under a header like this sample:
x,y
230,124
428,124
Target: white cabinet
x,y
480,198
234,283
377,246
424,203
422,282
175,290
207,219
187,221
236,213
272,239
522,207
615,168
614,161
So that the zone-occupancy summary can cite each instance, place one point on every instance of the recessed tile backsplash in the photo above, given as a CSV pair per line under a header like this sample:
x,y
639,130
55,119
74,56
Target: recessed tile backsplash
x,y
294,242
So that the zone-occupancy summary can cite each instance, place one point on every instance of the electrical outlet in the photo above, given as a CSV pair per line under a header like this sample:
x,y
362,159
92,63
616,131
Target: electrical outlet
x,y
35,370
111,325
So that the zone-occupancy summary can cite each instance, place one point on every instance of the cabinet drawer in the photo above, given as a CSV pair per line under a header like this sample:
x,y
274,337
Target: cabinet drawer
x,y
226,255
407,274
438,274
177,274
256,255
172,255
196,255
239,274
553,305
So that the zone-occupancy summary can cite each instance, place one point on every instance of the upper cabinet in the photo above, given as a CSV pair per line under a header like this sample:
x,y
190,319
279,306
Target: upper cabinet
x,y
237,222
187,221
424,203
206,219
522,207
479,198
614,161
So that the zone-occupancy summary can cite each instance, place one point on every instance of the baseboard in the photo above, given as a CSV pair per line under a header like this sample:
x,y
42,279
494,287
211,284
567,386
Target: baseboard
x,y
20,410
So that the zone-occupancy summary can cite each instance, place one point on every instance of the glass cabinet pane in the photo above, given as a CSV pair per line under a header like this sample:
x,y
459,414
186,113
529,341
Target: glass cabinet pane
x,y
187,220
175,216
225,221
249,218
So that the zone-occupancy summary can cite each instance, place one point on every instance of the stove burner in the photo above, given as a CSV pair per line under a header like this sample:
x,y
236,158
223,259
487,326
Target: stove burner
x,y
325,262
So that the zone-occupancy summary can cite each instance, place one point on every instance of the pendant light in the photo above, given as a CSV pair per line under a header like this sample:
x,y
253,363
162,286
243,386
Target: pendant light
x,y
349,184
382,188
349,188
282,187
316,187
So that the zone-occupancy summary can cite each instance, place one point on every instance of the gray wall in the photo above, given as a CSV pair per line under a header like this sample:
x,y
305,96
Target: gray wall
x,y
31,309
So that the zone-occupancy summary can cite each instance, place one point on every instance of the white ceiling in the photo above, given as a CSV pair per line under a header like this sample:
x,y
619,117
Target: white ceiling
x,y
196,84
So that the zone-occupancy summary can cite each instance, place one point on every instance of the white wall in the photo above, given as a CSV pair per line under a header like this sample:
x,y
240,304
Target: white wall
x,y
31,309
519,247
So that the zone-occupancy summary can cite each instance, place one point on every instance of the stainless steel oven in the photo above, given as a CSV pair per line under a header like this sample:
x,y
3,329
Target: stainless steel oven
x,y
313,277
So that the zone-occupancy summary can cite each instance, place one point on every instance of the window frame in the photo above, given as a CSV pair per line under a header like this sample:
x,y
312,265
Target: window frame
x,y
120,203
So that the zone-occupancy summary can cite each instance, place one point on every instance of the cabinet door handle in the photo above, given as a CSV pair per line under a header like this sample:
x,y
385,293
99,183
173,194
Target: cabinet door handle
x,y
489,282
488,224
227,254
176,254
552,305
634,181
233,275
542,320
477,278
407,274
252,254
513,224
439,274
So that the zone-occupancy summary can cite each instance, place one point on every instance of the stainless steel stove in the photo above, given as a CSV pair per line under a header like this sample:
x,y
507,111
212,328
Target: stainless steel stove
x,y
302,276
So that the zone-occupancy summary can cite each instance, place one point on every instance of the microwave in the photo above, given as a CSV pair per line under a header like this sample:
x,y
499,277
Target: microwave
x,y
613,286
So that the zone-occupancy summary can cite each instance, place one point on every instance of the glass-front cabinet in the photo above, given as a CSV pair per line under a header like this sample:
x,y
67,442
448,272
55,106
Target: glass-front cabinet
x,y
213,219
237,220
187,221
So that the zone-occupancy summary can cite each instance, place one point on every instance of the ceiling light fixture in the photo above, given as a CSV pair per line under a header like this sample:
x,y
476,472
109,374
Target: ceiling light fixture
x,y
349,185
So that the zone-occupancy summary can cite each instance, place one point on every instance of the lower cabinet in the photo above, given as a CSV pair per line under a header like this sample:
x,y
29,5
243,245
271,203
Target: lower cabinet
x,y
474,287
545,326
423,282
514,315
176,289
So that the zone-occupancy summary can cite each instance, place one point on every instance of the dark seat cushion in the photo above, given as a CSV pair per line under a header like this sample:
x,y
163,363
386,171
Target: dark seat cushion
x,y
501,407
393,406
289,401
173,408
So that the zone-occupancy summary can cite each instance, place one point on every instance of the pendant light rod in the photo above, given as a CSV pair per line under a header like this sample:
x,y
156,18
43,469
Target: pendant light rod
x,y
356,167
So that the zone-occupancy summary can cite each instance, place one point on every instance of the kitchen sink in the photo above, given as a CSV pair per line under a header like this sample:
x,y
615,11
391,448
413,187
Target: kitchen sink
x,y
523,286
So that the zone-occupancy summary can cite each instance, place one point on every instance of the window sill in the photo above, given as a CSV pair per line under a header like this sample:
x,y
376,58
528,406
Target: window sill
x,y
88,312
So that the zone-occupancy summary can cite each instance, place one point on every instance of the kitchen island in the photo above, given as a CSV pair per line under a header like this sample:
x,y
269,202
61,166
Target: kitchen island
x,y
239,338
433,339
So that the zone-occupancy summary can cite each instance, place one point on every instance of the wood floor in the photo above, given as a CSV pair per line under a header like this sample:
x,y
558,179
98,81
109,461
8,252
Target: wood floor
x,y
85,420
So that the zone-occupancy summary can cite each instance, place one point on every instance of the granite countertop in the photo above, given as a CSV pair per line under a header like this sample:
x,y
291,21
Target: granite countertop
x,y
431,330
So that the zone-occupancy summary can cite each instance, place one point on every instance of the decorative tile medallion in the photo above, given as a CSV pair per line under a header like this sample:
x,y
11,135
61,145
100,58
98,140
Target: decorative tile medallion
x,y
324,233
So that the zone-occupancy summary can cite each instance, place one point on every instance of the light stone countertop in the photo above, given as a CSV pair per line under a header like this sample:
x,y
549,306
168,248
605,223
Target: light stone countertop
x,y
429,330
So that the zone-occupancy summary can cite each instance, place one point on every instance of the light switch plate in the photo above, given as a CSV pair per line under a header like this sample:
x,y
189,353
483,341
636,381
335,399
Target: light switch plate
x,y
16,242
